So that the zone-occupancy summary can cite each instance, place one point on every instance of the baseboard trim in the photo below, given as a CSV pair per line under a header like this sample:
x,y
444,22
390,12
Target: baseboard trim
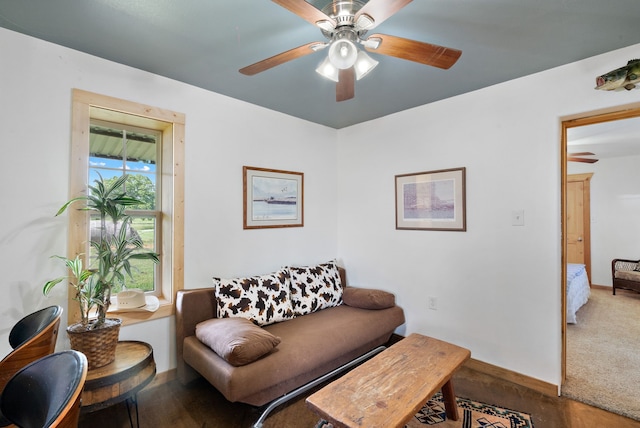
x,y
501,373
514,377
163,377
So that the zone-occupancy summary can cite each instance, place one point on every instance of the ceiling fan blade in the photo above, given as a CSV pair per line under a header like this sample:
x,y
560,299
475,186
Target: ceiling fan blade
x,y
281,58
346,86
412,50
305,11
380,10
582,154
584,160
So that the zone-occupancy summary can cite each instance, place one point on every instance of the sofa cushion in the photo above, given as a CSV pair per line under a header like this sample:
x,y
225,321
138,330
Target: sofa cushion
x,y
315,287
629,275
262,299
367,298
237,340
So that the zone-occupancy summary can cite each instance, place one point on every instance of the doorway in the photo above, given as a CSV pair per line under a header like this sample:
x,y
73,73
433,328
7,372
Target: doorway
x,y
592,118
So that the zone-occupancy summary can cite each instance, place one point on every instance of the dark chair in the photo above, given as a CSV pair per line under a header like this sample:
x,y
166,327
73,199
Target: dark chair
x,y
33,337
47,392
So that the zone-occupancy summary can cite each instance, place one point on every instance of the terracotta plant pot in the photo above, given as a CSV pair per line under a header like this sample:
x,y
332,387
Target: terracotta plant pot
x,y
99,345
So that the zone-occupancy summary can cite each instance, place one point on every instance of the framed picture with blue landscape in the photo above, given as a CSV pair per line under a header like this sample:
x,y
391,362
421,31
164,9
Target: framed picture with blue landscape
x,y
432,200
272,198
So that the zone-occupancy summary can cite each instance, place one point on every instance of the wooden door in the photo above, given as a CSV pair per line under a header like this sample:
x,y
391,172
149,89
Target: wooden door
x,y
575,222
578,220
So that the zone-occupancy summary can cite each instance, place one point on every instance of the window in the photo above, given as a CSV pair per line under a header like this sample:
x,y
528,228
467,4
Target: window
x,y
112,137
116,150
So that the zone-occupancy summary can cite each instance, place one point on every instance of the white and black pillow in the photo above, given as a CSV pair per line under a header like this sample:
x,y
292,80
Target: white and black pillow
x,y
315,287
262,299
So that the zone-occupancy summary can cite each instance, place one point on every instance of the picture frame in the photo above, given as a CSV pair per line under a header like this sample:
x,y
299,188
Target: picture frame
x,y
432,200
272,198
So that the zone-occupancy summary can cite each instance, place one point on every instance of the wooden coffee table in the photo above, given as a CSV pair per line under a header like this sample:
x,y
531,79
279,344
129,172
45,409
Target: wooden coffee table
x,y
388,390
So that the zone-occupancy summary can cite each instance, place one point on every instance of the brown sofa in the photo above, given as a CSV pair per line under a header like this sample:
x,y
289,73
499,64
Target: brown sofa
x,y
311,346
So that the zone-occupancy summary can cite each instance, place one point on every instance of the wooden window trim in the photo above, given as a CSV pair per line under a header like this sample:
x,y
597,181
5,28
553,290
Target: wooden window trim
x,y
172,125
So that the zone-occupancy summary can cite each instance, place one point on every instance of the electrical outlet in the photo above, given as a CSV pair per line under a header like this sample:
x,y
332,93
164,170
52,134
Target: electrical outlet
x,y
433,303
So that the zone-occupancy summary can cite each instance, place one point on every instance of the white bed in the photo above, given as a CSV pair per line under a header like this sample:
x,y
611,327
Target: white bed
x,y
578,290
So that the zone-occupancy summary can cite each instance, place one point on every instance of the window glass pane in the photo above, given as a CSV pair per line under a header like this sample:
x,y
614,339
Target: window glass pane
x,y
142,187
143,270
141,152
141,168
115,150
106,150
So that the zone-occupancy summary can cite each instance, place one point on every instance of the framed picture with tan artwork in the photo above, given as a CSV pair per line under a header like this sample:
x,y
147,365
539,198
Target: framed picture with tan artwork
x,y
432,200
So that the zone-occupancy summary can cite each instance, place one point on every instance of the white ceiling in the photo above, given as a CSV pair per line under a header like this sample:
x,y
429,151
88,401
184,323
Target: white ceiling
x,y
606,140
205,42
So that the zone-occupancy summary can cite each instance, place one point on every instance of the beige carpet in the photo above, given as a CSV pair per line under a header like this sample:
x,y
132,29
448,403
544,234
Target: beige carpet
x,y
603,353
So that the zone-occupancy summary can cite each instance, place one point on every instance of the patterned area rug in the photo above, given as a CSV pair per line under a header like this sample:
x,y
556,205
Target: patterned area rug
x,y
473,414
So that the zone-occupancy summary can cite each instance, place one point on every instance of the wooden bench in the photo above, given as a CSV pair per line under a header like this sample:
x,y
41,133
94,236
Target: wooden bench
x,y
388,390
624,275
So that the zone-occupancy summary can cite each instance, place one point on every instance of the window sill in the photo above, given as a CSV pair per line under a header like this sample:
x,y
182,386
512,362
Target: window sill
x,y
129,317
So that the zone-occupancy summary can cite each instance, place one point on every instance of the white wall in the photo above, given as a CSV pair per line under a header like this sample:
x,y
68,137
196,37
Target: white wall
x,y
615,213
497,285
222,135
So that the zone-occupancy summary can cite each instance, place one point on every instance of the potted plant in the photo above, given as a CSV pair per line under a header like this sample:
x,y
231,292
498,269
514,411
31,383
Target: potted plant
x,y
115,246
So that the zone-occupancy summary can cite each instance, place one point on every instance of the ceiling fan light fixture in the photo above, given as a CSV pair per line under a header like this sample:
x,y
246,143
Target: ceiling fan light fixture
x,y
318,46
325,25
365,22
364,64
343,53
372,42
344,24
328,70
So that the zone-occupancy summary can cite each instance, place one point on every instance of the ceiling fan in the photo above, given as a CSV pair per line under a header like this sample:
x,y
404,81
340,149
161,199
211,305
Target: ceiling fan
x,y
345,24
575,157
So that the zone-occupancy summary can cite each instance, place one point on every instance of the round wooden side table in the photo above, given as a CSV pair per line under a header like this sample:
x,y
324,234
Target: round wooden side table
x,y
133,369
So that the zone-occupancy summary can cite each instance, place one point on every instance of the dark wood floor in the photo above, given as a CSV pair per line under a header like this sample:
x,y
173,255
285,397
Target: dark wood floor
x,y
198,405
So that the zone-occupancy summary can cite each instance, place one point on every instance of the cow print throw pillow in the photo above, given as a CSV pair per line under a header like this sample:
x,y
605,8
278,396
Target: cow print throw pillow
x,y
315,287
261,299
